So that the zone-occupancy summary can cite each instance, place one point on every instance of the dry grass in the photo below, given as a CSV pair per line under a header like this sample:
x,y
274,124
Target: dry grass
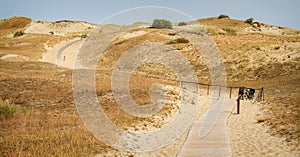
x,y
31,45
223,26
43,134
11,25
47,123
34,44
7,109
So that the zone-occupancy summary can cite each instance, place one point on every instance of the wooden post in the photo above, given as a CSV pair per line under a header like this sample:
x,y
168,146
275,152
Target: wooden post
x,y
262,93
207,89
230,92
238,105
219,91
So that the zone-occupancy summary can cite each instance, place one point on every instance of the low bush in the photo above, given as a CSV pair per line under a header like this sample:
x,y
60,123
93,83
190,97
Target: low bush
x,y
19,33
222,16
178,40
249,21
182,24
162,23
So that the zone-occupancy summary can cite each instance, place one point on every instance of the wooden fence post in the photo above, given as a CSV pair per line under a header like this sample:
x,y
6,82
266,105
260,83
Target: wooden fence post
x,y
207,89
219,91
238,105
262,93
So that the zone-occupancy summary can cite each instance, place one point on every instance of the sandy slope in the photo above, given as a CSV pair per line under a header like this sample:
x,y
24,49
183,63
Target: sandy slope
x,y
58,28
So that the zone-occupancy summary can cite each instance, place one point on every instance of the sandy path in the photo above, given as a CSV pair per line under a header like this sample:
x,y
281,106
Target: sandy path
x,y
249,138
63,54
67,56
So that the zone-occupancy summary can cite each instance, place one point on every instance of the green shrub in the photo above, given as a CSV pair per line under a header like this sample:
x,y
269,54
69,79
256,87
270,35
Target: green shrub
x,y
161,23
178,40
182,24
7,109
181,40
19,33
222,16
250,20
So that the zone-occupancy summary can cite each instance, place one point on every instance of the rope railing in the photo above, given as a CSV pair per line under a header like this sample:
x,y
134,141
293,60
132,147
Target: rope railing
x,y
259,97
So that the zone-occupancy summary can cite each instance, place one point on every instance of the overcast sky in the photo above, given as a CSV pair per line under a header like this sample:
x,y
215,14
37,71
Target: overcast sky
x,y
275,12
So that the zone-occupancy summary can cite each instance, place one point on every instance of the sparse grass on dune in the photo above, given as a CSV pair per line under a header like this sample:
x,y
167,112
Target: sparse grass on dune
x,y
31,45
46,122
47,134
224,22
139,87
223,26
11,25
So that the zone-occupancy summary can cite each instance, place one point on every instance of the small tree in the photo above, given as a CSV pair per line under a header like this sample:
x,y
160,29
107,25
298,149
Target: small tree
x,y
161,23
222,16
250,20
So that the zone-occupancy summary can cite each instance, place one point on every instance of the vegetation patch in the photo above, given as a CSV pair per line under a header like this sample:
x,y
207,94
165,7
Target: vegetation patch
x,y
19,33
7,109
178,40
249,21
182,24
230,31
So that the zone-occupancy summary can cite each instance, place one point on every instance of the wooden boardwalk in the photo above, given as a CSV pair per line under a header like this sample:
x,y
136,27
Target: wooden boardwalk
x,y
216,142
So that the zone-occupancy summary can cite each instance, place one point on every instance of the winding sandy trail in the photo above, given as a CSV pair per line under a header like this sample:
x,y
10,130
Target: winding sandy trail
x,y
63,54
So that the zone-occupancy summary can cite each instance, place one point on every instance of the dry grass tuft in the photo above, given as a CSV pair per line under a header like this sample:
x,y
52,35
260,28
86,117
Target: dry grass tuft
x,y
7,109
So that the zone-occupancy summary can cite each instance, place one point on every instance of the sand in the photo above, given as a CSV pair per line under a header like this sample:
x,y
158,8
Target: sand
x,y
250,138
58,28
15,58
